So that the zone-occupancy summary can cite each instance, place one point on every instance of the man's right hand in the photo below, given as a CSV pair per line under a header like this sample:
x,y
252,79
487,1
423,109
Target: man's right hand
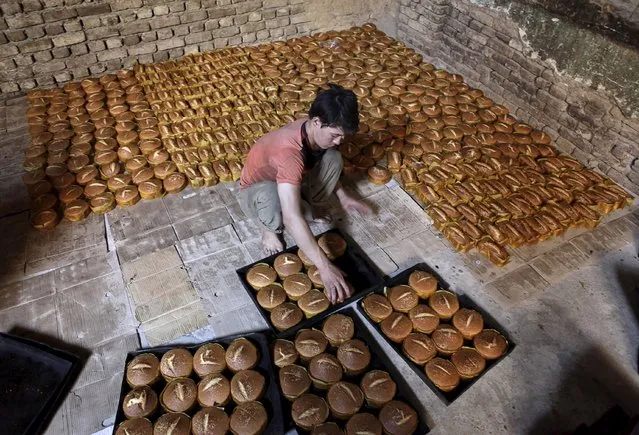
x,y
335,286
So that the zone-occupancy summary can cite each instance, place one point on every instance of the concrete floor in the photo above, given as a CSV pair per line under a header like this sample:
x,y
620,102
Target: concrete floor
x,y
163,271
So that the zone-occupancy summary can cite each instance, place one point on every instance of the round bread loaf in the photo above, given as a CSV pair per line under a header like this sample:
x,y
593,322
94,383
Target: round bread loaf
x,y
287,264
241,355
249,418
310,343
260,276
143,369
377,307
442,373
397,326
172,423
286,315
363,423
140,402
333,245
423,283
468,322
313,303
338,329
294,381
179,395
419,348
176,363
214,390
297,285
309,411
210,421
378,388
490,344
447,339
444,303
468,362
424,319
247,386
325,370
398,418
135,426
403,298
284,353
344,399
271,296
208,359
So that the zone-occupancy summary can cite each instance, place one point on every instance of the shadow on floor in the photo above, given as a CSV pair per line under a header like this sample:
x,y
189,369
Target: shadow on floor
x,y
595,383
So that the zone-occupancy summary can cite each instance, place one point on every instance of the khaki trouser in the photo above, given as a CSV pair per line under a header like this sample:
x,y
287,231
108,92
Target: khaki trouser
x,y
261,201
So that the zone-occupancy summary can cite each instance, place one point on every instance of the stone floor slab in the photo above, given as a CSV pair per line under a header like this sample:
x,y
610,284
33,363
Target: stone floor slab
x,y
53,262
161,293
608,237
107,360
191,202
202,223
91,407
207,243
175,324
243,319
151,264
30,289
95,311
85,270
39,316
516,286
135,248
556,264
133,222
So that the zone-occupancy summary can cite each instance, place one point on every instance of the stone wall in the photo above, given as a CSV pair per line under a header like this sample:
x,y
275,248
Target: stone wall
x,y
51,42
576,84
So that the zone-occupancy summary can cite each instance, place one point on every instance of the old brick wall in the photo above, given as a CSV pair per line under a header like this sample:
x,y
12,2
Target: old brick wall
x,y
572,94
50,42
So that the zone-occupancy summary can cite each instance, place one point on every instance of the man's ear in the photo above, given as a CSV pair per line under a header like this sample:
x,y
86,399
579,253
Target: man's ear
x,y
317,123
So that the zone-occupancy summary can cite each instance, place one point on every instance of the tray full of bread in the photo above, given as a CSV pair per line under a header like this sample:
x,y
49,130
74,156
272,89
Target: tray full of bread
x,y
288,290
217,387
335,379
447,339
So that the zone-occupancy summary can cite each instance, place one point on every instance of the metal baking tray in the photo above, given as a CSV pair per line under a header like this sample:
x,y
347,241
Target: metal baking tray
x,y
34,380
359,273
379,361
464,302
271,399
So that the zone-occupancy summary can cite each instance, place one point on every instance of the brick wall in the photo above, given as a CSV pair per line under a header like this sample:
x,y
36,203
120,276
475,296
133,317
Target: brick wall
x,y
50,42
491,51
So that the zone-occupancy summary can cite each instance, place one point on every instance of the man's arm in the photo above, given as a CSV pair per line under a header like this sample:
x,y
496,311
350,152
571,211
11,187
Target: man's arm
x,y
333,278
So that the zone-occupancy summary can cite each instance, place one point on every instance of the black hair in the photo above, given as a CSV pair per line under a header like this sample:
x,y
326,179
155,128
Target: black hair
x,y
336,107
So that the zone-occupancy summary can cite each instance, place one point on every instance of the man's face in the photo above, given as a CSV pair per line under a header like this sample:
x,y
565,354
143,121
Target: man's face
x,y
327,136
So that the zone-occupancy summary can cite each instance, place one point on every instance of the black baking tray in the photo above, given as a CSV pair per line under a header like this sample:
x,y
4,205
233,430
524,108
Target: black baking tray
x,y
34,379
379,361
464,302
270,400
359,273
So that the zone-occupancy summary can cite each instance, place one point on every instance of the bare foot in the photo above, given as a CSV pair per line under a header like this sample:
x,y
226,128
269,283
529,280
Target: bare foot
x,y
271,242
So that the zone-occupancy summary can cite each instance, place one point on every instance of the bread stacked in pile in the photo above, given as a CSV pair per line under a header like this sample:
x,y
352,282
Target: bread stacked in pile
x,y
212,391
487,180
448,341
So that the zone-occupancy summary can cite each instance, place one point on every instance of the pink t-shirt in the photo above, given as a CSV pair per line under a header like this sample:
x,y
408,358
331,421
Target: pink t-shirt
x,y
276,156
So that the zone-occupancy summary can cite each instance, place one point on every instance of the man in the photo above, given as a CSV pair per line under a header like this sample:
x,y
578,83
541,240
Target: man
x,y
299,162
